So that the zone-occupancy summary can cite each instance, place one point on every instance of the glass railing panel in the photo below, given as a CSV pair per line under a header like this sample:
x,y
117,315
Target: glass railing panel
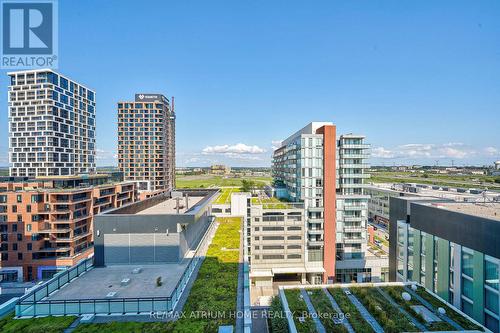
x,y
102,306
57,308
160,305
41,293
42,309
144,306
52,286
25,310
63,279
116,306
72,307
72,274
87,306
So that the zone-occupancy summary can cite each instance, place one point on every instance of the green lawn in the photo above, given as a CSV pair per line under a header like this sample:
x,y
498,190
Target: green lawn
x,y
214,290
465,181
35,325
225,196
204,181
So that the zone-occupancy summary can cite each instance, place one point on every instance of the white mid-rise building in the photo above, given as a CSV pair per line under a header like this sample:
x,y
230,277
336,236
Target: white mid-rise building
x,y
51,125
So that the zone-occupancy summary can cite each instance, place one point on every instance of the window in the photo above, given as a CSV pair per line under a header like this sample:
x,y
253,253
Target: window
x,y
29,246
19,198
14,246
19,256
491,274
14,208
14,228
467,290
467,307
467,263
28,227
491,300
491,323
273,256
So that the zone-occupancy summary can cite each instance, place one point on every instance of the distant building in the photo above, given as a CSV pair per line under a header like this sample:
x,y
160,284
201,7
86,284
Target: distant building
x,y
51,125
146,142
46,223
380,194
219,169
452,249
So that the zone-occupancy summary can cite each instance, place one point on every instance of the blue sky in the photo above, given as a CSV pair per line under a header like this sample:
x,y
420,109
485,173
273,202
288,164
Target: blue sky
x,y
421,79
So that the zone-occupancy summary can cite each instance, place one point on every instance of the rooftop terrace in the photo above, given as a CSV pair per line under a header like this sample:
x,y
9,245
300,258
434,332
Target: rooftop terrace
x,y
169,206
490,210
380,307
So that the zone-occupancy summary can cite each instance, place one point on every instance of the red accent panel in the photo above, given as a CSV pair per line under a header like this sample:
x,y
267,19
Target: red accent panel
x,y
329,197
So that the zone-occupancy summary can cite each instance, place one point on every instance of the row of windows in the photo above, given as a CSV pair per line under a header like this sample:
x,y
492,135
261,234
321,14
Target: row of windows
x,y
277,256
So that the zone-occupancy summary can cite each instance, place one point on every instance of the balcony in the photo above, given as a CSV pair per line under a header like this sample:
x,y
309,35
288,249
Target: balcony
x,y
355,175
353,155
353,185
355,146
355,166
353,240
355,207
315,231
315,242
353,218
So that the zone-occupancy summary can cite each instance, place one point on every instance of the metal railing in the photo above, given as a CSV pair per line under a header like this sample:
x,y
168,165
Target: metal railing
x,y
33,304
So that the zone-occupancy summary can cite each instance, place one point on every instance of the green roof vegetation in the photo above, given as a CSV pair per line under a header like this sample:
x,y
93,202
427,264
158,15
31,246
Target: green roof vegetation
x,y
35,325
225,196
298,307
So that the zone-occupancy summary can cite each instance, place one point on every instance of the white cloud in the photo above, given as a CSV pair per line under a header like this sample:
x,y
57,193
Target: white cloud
x,y
239,148
381,152
492,151
105,155
452,150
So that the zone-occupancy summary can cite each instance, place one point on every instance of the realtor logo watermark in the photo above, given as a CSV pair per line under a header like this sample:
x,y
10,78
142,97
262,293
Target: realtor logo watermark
x,y
29,34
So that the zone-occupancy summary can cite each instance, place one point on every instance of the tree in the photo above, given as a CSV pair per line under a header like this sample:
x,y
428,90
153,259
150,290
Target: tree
x,y
247,185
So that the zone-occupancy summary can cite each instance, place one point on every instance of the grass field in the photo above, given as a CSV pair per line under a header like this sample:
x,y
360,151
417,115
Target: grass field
x,y
465,181
205,181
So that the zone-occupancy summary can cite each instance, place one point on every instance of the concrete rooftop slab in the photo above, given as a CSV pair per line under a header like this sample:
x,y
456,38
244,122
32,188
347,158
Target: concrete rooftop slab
x,y
98,282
